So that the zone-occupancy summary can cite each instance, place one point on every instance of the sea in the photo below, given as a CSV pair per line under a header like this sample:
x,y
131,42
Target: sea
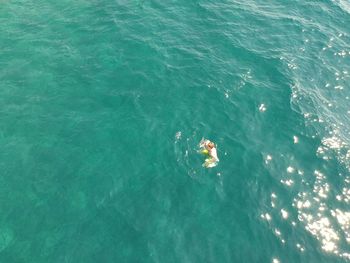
x,y
103,104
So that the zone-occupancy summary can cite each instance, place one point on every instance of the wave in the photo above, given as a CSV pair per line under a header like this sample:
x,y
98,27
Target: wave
x,y
344,5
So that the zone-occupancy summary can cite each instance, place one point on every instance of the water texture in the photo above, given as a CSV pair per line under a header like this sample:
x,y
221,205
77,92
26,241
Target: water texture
x,y
103,104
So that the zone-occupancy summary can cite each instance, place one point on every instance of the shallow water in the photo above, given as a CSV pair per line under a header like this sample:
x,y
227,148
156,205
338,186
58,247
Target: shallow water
x,y
103,104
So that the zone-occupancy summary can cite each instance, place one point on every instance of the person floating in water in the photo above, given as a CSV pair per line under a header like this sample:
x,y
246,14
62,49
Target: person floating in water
x,y
209,148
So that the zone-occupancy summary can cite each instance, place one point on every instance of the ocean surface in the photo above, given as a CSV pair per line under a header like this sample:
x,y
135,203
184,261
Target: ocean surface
x,y
103,104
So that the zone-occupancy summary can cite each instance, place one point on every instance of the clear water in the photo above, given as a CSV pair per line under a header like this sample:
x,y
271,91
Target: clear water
x,y
103,104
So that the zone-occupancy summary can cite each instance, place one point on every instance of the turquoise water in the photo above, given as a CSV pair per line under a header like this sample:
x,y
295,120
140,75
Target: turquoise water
x,y
103,104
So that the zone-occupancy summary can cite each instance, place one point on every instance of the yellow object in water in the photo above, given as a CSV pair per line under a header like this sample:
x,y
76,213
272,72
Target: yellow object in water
x,y
205,152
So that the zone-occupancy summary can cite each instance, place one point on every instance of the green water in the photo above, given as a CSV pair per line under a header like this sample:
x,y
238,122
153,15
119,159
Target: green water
x,y
103,104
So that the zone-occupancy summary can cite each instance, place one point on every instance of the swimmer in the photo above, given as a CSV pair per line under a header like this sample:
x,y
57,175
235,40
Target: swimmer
x,y
209,148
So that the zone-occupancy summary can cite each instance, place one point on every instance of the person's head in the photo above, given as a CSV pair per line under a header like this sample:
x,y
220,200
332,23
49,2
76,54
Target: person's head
x,y
211,145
